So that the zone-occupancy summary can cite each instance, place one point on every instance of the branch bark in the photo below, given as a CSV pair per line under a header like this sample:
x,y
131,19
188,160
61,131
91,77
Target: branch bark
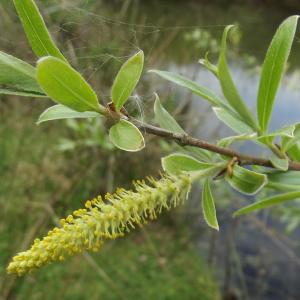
x,y
187,140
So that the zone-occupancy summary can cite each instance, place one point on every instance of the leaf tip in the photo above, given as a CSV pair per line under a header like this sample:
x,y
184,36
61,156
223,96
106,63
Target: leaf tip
x,y
236,214
230,26
140,55
43,59
216,227
140,52
151,71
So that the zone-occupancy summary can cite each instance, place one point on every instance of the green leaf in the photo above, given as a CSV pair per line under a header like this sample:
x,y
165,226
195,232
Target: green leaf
x,y
273,68
246,181
284,180
199,153
58,112
288,142
176,163
127,79
66,86
208,172
285,132
232,121
226,142
164,119
208,65
278,199
22,93
279,163
167,122
126,136
190,85
228,87
36,31
208,206
18,74
294,152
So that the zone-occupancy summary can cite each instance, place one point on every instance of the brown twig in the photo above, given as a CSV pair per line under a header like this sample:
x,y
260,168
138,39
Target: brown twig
x,y
186,140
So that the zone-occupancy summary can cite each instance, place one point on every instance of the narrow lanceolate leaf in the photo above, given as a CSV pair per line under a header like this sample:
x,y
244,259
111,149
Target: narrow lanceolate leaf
x,y
126,136
279,163
36,31
18,74
273,68
208,206
21,93
177,163
164,119
190,85
58,112
284,180
275,200
127,79
232,121
226,142
246,181
285,133
228,87
66,86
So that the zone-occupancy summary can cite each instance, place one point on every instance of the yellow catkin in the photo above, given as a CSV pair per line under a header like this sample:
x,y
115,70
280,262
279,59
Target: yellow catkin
x,y
86,229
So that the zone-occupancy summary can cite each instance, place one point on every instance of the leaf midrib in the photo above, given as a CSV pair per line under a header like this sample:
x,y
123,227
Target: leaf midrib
x,y
33,28
20,68
76,95
269,80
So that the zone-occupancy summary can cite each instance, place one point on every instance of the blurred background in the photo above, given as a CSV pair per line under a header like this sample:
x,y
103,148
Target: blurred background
x,y
47,171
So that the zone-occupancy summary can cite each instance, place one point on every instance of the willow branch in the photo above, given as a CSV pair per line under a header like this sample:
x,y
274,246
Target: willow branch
x,y
186,140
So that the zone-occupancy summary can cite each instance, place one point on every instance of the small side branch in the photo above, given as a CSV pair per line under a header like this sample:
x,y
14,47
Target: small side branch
x,y
186,140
